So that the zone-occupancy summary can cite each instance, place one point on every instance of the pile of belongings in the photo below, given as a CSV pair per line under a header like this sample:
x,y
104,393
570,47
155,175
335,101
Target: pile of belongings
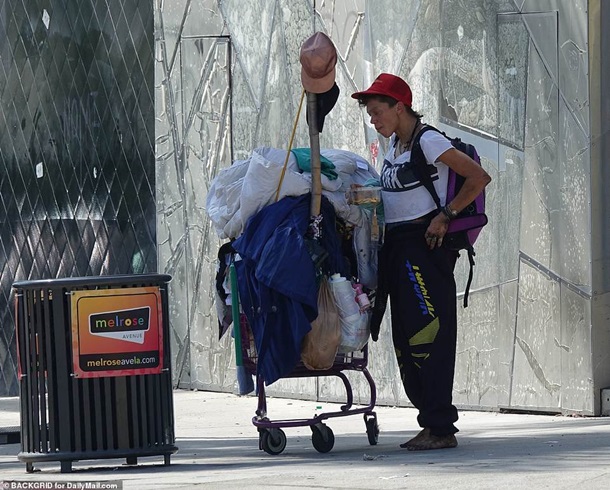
x,y
267,225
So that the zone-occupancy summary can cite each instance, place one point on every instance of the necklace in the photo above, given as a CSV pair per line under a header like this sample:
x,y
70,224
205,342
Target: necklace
x,y
403,146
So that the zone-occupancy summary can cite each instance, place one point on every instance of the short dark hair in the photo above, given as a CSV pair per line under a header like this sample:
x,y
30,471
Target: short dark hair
x,y
391,101
363,100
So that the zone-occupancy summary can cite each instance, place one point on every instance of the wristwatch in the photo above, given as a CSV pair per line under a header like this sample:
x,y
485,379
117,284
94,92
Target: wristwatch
x,y
450,213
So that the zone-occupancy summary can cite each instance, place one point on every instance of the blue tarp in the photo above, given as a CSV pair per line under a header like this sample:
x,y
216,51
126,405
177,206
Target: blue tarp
x,y
277,279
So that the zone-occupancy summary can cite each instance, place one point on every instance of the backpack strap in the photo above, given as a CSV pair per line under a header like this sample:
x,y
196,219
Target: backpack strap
x,y
421,164
471,255
421,167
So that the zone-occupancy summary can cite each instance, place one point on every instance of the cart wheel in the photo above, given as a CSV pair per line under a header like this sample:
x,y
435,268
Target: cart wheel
x,y
322,438
273,441
372,430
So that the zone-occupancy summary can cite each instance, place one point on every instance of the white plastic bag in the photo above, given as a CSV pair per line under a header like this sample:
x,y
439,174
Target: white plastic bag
x,y
355,332
354,323
261,182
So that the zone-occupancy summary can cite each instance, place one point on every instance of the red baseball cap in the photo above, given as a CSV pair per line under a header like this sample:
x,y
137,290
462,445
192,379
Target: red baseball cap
x,y
390,85
318,60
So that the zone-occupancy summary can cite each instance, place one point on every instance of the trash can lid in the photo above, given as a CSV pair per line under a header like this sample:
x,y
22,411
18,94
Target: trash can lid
x,y
88,281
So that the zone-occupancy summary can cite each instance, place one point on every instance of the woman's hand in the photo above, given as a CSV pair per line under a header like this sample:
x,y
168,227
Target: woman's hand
x,y
436,231
475,180
475,177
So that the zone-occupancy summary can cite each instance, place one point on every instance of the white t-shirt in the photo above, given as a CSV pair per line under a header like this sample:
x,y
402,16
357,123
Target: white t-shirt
x,y
404,196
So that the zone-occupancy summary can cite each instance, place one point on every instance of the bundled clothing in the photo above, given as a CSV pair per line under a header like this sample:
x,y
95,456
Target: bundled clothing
x,y
277,279
263,207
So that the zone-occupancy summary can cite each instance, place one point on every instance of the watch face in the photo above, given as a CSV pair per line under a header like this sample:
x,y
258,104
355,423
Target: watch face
x,y
451,213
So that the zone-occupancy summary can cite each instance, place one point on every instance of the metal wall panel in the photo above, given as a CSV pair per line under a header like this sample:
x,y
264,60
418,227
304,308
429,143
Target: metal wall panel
x,y
193,143
540,204
577,386
510,76
537,363
483,358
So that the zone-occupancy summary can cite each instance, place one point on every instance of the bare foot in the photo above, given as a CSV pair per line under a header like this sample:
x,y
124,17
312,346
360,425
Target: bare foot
x,y
429,442
424,433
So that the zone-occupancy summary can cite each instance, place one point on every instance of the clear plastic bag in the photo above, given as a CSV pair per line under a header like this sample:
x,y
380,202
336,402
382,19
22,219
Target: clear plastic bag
x,y
355,332
320,345
354,323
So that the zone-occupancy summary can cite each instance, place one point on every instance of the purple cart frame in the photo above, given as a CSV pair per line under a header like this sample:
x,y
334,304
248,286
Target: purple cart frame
x,y
272,438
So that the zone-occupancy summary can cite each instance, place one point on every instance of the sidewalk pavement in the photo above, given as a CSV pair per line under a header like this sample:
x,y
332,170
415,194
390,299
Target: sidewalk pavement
x,y
218,448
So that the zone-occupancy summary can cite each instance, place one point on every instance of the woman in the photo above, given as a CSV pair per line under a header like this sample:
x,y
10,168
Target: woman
x,y
414,268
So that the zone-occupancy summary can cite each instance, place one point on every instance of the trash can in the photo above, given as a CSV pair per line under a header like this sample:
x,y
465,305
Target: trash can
x,y
94,369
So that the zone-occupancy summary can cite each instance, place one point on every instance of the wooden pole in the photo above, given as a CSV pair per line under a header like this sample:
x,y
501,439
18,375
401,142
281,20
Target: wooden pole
x,y
314,145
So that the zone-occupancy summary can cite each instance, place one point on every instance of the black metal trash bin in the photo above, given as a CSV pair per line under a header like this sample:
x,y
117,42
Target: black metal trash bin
x,y
81,396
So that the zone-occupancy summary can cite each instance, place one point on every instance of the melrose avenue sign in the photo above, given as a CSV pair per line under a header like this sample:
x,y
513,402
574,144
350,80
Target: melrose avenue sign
x,y
117,332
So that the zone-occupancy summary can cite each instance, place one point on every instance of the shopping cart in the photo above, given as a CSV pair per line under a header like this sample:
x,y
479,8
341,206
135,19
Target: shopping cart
x,y
272,438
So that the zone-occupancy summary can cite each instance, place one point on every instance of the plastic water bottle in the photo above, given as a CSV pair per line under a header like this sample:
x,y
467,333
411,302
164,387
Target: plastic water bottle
x,y
361,298
344,296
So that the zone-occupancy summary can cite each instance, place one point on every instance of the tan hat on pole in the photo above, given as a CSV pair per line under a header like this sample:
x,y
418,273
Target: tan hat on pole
x,y
318,60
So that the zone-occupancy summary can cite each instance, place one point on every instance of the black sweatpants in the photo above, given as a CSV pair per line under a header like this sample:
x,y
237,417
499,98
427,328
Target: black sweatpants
x,y
422,294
